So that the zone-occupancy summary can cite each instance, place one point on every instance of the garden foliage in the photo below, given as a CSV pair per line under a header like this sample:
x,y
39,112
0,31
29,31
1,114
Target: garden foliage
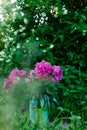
x,y
55,31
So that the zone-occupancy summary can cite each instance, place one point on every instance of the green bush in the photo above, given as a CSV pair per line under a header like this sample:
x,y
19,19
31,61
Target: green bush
x,y
54,31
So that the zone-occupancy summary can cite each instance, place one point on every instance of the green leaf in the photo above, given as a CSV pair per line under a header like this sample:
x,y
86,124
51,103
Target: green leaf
x,y
57,123
75,117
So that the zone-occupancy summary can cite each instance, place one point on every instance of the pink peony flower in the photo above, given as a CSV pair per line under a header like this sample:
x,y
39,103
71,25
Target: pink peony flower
x,y
43,69
13,74
57,73
6,83
27,80
22,72
16,80
17,72
14,77
31,74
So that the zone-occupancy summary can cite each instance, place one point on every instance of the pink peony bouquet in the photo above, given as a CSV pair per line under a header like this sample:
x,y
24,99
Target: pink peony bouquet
x,y
44,70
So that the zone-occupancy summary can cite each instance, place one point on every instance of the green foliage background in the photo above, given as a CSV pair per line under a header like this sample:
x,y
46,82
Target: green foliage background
x,y
51,30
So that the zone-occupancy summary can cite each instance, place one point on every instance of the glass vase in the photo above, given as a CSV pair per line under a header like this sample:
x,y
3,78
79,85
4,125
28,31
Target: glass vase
x,y
38,114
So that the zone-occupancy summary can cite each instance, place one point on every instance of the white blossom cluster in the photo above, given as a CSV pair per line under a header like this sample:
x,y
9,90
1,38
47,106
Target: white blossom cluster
x,y
54,11
65,11
41,18
6,55
50,47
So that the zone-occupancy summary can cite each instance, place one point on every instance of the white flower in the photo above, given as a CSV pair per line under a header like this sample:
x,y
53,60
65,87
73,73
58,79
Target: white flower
x,y
65,11
15,33
18,46
13,1
44,50
22,14
84,17
1,18
51,11
51,46
33,30
36,21
12,49
36,16
23,34
37,38
25,21
56,8
75,28
55,15
43,14
8,60
20,30
25,51
46,18
43,7
77,41
41,20
10,38
84,32
2,53
10,56
1,59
